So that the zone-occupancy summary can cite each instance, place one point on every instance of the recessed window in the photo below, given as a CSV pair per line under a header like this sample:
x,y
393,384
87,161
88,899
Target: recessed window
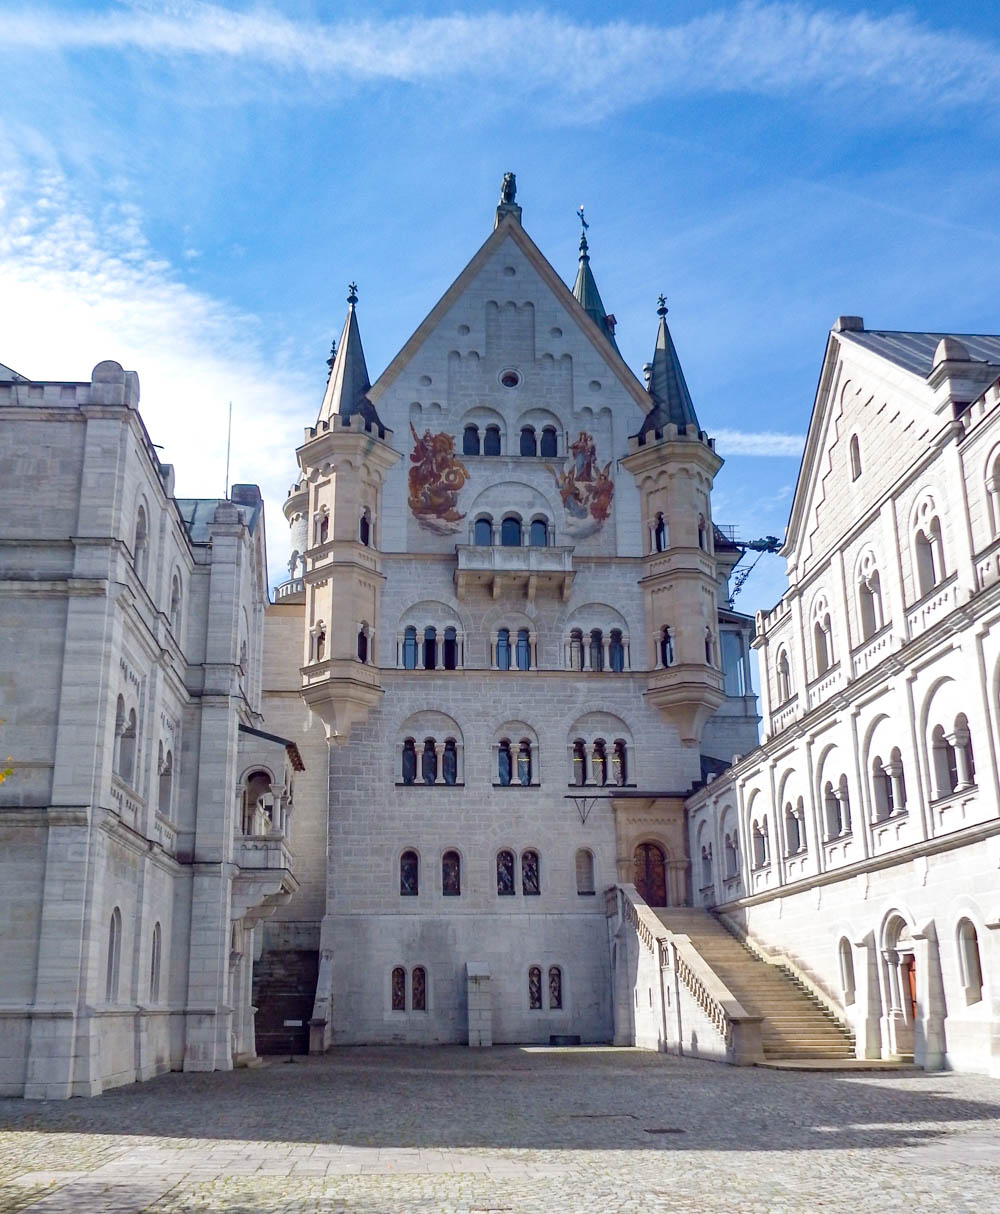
x,y
510,379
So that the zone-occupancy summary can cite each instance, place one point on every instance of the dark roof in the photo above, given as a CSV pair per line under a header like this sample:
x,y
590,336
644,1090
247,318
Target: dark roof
x,y
915,351
198,514
588,296
667,386
348,384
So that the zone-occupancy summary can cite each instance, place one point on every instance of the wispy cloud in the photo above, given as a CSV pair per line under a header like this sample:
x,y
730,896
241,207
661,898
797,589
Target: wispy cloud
x,y
81,288
776,49
741,442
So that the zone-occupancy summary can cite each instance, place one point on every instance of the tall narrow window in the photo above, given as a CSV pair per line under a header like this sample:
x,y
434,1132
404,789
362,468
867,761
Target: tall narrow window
x,y
538,535
846,970
116,757
470,440
660,534
483,532
666,647
709,647
555,987
529,444
114,956
154,966
731,851
548,446
365,528
491,441
870,604
510,532
504,762
410,648
706,865
793,838
175,605
409,874
831,810
784,678
450,761
362,644
524,761
450,655
534,988
882,793
523,649
821,639
140,545
584,872
702,532
429,761
128,749
855,457
579,762
576,649
451,874
324,527
166,783
930,556
970,962
419,989
503,649
600,762
430,648
759,844
619,762
616,651
409,762
530,880
399,989
596,649
320,642
505,873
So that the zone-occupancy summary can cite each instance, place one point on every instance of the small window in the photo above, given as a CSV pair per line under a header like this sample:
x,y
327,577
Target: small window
x,y
523,649
419,986
154,965
410,648
535,988
538,535
430,648
140,545
362,644
450,761
450,655
579,762
529,443
504,763
399,989
510,532
576,649
166,782
409,874
470,440
599,761
584,873
660,534
482,532
324,528
549,446
970,962
555,987
524,762
530,880
429,761
855,457
784,678
503,649
114,956
596,649
409,772
616,651
666,647
175,605
365,528
619,762
846,956
505,873
491,441
510,379
451,874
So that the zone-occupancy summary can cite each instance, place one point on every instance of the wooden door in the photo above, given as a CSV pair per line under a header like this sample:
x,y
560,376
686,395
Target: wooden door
x,y
911,986
649,874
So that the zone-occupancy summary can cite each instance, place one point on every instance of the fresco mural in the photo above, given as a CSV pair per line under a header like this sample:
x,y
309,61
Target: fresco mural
x,y
436,476
586,489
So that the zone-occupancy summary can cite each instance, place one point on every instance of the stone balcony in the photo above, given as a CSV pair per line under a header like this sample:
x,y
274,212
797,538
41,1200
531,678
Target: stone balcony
x,y
505,570
869,653
932,607
265,880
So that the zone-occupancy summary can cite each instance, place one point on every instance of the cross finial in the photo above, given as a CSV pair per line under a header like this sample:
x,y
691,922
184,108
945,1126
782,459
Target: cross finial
x,y
583,221
352,293
661,306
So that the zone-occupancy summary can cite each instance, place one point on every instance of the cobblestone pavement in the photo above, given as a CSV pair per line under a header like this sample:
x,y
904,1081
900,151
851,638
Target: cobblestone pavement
x,y
387,1130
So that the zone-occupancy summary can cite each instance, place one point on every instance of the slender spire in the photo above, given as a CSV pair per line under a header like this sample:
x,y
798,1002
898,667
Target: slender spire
x,y
348,382
585,288
666,384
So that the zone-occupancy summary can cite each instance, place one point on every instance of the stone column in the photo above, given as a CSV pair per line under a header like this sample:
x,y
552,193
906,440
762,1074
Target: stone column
x,y
439,752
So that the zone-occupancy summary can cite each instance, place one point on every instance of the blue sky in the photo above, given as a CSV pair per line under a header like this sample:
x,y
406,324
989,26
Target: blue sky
x,y
188,188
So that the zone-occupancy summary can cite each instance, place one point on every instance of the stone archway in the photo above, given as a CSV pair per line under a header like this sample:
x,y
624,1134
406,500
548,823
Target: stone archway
x,y
649,873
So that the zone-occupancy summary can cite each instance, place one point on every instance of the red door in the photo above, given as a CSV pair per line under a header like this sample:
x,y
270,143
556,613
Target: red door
x,y
911,979
649,874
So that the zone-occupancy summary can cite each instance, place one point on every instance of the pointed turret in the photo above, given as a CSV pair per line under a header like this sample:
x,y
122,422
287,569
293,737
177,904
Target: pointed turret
x,y
348,382
586,292
672,404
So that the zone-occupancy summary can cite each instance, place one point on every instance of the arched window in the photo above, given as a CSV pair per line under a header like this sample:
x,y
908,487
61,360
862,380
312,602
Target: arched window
x,y
538,534
409,762
616,651
534,988
451,874
430,647
969,961
870,605
530,878
114,956
846,957
503,649
709,647
844,797
619,763
730,848
504,763
649,874
429,761
523,649
549,447
154,965
758,836
409,874
660,534
793,836
702,533
929,555
945,763
116,755
324,527
399,989
831,811
470,440
450,761
175,605
365,527
128,749
855,457
450,654
666,647
483,532
585,872
576,649
524,761
963,753
882,790
599,762
166,781
821,642
555,987
596,649
319,642
784,677
491,441
510,532
706,865
363,643
529,444
418,1001
505,873
140,544
579,762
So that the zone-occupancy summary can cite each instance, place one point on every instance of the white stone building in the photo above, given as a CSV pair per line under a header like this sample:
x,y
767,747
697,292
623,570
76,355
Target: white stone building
x,y
508,605
860,844
133,868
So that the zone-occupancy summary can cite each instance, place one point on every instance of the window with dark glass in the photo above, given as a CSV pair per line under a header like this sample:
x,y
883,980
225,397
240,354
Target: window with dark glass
x,y
362,645
482,532
451,874
429,762
524,762
523,650
504,762
409,874
399,989
555,986
430,648
579,762
419,986
538,534
491,441
409,761
666,648
530,883
616,651
324,528
510,532
600,762
450,649
365,529
470,440
576,649
619,763
660,534
529,444
450,762
505,873
410,648
534,988
597,649
584,872
548,446
503,649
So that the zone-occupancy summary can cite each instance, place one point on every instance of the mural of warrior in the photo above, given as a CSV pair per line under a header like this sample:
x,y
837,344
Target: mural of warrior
x,y
436,476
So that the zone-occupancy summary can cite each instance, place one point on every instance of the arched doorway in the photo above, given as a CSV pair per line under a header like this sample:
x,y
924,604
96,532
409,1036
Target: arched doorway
x,y
900,987
649,874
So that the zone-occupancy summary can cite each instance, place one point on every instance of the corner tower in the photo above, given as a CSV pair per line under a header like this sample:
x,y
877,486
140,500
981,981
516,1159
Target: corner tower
x,y
344,460
674,464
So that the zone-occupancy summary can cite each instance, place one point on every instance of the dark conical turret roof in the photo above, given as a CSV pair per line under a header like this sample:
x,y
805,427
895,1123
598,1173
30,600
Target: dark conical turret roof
x,y
667,386
588,296
348,383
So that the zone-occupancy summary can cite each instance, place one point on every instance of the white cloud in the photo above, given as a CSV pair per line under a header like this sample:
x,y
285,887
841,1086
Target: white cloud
x,y
771,49
741,442
78,290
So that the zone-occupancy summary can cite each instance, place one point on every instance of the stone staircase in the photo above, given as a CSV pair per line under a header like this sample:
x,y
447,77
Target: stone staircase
x,y
795,1025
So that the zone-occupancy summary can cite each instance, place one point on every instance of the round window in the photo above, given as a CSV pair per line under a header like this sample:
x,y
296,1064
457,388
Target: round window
x,y
510,379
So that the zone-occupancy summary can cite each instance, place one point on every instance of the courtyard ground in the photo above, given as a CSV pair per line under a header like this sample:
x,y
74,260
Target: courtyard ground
x,y
451,1129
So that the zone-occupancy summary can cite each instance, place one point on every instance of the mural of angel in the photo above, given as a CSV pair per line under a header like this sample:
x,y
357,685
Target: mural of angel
x,y
436,476
586,489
